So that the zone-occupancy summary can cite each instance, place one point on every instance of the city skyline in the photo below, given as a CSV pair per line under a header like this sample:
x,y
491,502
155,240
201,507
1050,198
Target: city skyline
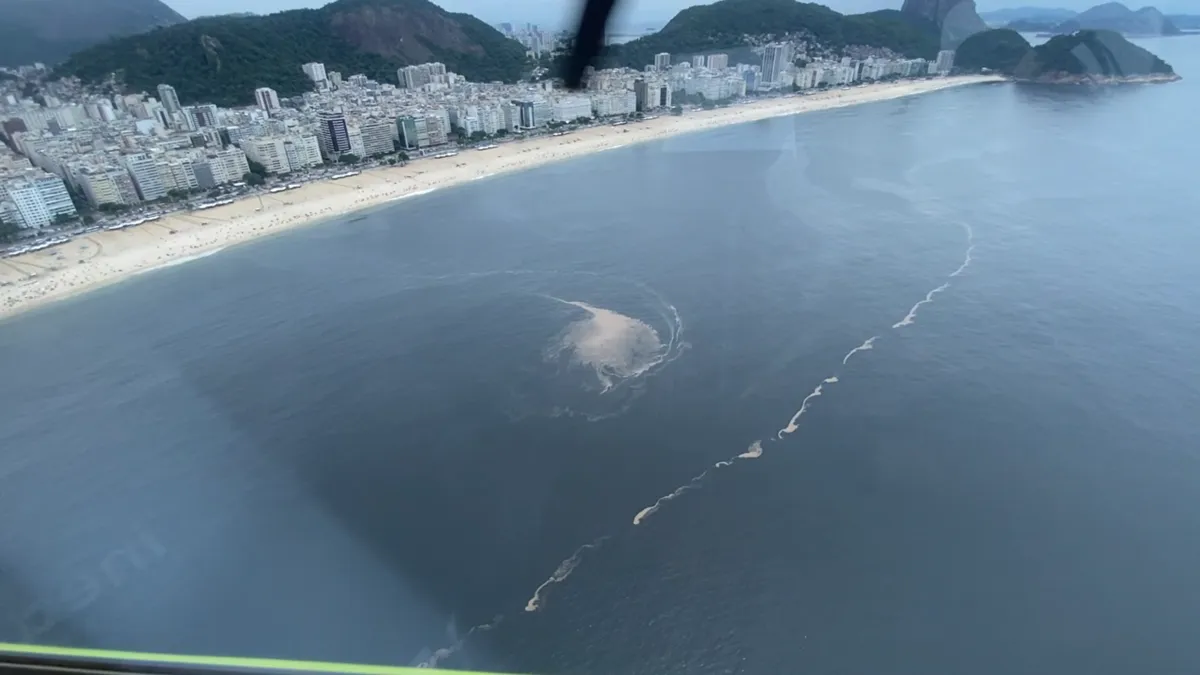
x,y
126,150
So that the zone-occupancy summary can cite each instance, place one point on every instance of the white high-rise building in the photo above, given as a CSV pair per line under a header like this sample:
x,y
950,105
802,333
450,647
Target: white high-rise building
x,y
107,185
415,77
314,71
611,103
334,134
662,61
267,98
776,58
146,177
945,62
302,151
491,119
376,138
37,198
810,77
178,175
228,165
571,108
270,152
356,141
422,131
200,116
718,61
170,99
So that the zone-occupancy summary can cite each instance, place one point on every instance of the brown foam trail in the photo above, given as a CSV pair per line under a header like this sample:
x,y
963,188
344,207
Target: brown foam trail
x,y
561,573
446,652
868,345
650,510
753,452
792,424
911,318
970,249
607,322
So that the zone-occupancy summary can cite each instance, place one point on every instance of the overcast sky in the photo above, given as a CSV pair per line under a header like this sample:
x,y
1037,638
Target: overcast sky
x,y
553,12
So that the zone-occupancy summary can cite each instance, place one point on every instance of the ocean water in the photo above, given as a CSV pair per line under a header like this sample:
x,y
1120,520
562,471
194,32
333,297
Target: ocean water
x,y
902,388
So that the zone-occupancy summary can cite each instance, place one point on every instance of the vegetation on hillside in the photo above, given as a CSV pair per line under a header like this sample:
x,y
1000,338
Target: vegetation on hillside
x,y
1089,52
727,24
1092,52
224,59
48,31
9,232
1001,50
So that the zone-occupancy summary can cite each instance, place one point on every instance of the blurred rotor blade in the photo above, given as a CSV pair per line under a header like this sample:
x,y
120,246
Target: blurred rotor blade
x,y
589,39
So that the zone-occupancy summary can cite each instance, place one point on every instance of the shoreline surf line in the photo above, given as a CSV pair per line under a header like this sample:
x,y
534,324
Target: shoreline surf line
x,y
248,219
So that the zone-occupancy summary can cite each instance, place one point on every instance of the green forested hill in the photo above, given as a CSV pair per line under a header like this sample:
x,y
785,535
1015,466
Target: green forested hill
x,y
224,59
48,31
726,24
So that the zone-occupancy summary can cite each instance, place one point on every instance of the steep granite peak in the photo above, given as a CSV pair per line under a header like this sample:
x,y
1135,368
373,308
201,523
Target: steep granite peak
x,y
957,19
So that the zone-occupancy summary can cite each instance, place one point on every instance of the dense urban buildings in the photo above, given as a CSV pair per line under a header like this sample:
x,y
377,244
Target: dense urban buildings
x,y
73,146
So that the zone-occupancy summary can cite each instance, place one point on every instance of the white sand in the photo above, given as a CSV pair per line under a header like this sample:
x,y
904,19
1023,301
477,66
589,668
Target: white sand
x,y
106,257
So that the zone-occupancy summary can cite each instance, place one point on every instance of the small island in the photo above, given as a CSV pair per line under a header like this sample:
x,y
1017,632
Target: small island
x,y
1114,16
1082,57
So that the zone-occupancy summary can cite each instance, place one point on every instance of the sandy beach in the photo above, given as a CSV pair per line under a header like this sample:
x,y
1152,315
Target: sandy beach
x,y
106,257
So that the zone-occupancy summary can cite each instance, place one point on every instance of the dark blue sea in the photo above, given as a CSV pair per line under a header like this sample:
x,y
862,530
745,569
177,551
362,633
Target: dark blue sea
x,y
359,440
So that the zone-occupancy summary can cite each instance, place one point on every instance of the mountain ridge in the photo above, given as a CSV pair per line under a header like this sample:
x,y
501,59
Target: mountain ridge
x,y
1004,17
1085,56
724,25
49,31
1115,16
223,59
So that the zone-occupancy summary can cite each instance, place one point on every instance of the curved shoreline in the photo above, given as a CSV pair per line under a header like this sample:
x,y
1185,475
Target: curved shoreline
x,y
104,258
